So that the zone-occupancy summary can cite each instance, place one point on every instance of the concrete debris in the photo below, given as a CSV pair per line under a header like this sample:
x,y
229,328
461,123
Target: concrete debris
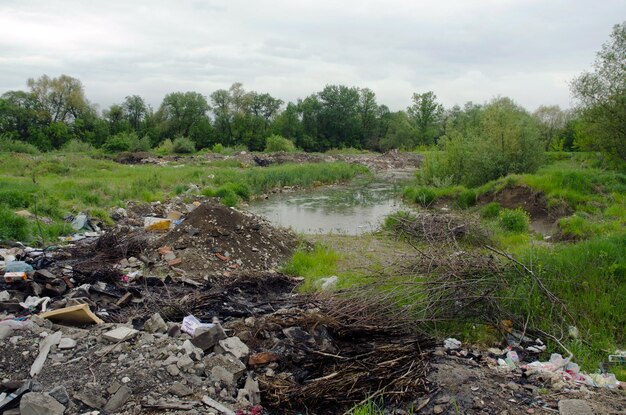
x,y
180,390
118,399
44,349
234,346
60,394
574,407
155,324
221,408
205,338
67,343
120,334
224,367
35,403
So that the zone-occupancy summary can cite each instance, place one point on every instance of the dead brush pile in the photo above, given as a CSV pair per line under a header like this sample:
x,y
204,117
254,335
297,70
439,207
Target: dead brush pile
x,y
333,362
436,228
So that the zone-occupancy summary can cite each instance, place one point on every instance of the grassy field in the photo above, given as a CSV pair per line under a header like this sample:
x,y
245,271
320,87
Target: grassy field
x,y
54,185
584,263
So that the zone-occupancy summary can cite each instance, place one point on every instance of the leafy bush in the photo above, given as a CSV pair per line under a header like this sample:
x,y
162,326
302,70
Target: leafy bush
x,y
514,220
120,142
165,148
217,148
279,143
183,145
12,227
466,199
490,210
229,193
77,146
14,146
504,140
423,196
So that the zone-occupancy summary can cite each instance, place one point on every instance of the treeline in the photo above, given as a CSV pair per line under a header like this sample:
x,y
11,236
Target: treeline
x,y
55,111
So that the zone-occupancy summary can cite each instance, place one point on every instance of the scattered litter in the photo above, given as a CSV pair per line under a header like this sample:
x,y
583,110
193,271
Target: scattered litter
x,y
191,324
76,315
452,344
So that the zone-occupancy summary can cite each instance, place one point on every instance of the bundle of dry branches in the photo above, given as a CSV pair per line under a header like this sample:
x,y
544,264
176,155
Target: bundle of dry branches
x,y
369,358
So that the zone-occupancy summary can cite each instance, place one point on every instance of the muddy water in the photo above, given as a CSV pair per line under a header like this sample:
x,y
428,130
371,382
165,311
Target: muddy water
x,y
347,209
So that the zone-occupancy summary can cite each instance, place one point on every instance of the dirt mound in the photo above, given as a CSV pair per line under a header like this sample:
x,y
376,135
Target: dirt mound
x,y
215,239
511,197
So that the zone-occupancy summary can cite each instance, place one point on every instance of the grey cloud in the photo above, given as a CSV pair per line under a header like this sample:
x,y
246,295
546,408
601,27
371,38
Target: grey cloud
x,y
461,50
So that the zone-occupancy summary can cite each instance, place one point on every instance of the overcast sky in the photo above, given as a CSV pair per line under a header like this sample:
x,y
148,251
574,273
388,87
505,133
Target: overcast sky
x,y
463,50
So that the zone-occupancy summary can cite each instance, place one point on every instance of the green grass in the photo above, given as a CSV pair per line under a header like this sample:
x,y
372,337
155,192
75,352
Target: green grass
x,y
590,278
312,264
70,183
584,266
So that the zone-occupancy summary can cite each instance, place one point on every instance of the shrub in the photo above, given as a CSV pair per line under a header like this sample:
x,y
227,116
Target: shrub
x,y
217,148
77,146
12,227
423,196
514,220
278,143
165,148
466,199
503,140
183,145
14,146
119,142
490,210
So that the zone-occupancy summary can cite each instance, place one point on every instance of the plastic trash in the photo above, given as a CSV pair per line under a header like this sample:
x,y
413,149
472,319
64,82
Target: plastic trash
x,y
191,324
19,266
156,224
452,344
512,355
17,324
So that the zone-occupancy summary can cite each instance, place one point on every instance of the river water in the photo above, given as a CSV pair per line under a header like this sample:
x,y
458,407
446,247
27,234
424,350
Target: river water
x,y
350,209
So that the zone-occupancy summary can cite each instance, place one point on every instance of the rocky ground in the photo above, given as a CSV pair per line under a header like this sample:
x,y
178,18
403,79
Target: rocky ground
x,y
253,346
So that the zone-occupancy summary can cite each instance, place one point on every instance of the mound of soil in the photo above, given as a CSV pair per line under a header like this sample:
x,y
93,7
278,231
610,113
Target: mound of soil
x,y
215,239
532,201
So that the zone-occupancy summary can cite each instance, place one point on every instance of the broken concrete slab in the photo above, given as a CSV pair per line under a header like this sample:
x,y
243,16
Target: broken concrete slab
x,y
217,406
224,367
575,407
120,334
91,398
44,349
60,394
35,403
206,338
234,346
180,390
76,315
118,399
155,324
67,343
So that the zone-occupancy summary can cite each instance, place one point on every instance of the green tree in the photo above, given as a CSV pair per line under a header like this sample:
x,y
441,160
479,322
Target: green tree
x,y
23,118
180,111
551,120
400,133
426,115
135,111
602,97
503,138
63,97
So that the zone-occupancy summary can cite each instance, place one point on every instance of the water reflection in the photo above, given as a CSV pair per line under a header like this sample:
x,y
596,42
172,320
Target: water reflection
x,y
351,209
